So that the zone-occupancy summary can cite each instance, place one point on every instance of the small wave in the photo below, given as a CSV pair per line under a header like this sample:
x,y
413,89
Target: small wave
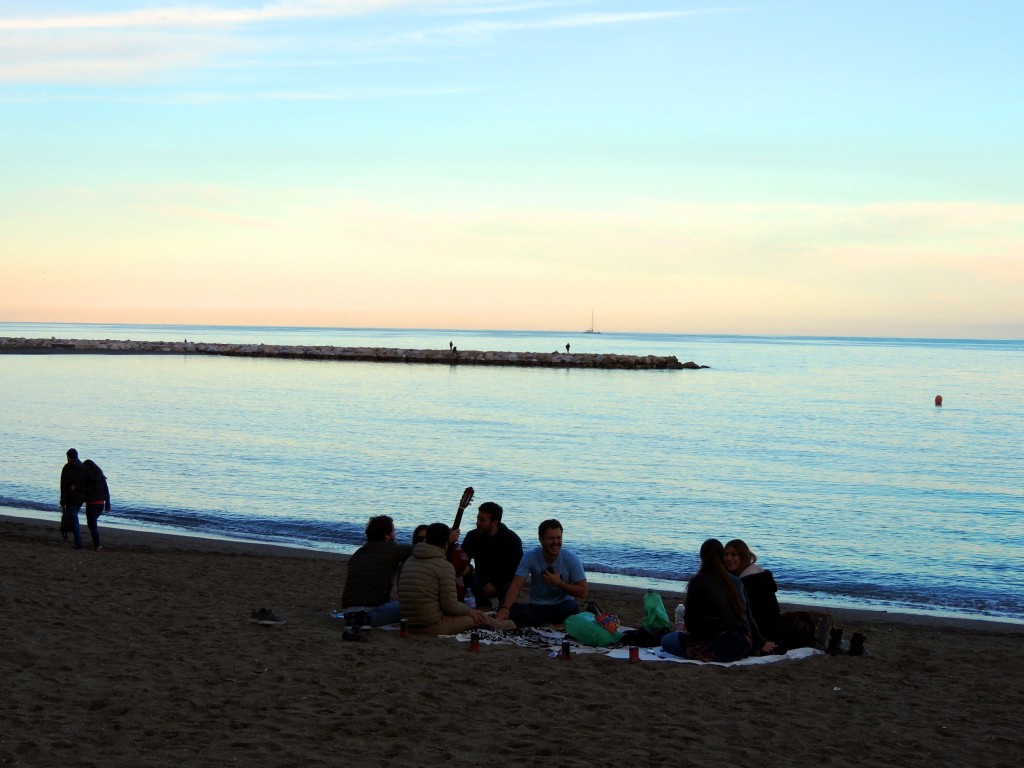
x,y
6,501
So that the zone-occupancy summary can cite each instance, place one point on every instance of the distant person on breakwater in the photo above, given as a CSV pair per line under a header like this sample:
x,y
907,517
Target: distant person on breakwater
x,y
557,581
97,500
74,479
566,349
371,573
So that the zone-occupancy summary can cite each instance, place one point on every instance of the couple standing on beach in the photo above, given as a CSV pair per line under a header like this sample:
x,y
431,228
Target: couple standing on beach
x,y
82,482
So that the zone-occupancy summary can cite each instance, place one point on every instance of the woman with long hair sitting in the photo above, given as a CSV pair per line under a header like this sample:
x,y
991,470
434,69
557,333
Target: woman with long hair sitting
x,y
718,627
759,584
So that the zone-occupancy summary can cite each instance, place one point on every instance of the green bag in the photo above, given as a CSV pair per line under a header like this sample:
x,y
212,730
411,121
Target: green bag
x,y
655,615
584,627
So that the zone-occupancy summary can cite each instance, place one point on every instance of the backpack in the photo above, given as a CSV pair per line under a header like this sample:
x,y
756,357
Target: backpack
x,y
67,524
807,629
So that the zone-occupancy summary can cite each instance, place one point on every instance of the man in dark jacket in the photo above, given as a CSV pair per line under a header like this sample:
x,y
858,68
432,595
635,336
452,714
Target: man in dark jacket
x,y
74,484
495,552
371,573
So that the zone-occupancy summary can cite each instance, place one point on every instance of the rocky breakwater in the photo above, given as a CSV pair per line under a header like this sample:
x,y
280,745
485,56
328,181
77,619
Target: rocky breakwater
x,y
12,345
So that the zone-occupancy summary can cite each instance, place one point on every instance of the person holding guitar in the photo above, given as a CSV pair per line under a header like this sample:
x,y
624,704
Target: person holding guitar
x,y
456,556
495,552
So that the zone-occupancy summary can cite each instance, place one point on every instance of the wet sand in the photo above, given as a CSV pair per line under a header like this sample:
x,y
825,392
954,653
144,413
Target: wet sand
x,y
143,654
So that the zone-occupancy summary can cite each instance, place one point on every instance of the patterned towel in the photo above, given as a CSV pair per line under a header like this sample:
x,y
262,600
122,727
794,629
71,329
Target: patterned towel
x,y
529,637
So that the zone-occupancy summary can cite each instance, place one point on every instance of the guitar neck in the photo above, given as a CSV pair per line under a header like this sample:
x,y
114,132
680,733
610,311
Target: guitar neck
x,y
458,518
467,498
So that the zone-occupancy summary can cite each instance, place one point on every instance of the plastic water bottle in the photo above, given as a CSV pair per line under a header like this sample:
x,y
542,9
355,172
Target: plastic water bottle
x,y
681,617
469,599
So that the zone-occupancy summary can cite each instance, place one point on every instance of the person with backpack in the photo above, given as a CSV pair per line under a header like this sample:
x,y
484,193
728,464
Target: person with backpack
x,y
97,500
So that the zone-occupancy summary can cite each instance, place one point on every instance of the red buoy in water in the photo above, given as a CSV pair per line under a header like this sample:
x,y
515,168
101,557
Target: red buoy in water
x,y
938,400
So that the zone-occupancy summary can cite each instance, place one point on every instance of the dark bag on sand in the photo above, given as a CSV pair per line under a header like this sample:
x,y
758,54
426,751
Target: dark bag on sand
x,y
67,524
807,629
643,638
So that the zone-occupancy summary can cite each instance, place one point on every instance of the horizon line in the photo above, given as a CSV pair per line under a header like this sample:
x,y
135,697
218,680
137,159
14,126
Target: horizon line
x,y
522,331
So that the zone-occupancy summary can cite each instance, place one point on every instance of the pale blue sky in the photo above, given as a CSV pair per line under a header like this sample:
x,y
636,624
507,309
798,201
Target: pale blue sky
x,y
783,167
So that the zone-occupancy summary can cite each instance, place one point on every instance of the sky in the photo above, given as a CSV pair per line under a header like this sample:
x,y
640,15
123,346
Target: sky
x,y
803,168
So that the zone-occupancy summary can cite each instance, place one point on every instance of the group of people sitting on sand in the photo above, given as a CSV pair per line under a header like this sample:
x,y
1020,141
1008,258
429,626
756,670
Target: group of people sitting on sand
x,y
493,569
730,612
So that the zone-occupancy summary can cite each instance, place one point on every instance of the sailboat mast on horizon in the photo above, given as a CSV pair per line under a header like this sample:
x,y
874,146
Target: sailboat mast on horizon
x,y
591,328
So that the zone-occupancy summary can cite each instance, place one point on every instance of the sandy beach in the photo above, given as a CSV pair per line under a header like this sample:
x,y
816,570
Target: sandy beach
x,y
143,654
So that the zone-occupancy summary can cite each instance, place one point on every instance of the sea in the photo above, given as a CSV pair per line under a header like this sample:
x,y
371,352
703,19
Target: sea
x,y
828,456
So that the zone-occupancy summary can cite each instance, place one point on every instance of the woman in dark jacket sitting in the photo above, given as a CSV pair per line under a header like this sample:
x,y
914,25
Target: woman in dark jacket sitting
x,y
760,587
717,624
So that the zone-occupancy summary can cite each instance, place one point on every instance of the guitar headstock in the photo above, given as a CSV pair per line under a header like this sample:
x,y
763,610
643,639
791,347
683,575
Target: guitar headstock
x,y
467,499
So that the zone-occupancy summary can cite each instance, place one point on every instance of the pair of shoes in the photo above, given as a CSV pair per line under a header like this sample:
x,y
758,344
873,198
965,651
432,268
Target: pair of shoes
x,y
857,644
358,620
265,617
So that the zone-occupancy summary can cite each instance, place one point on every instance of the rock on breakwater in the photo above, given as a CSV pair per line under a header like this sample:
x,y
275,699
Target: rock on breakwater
x,y
12,345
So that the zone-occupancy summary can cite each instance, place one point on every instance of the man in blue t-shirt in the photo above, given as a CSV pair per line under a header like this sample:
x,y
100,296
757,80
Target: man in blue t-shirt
x,y
557,581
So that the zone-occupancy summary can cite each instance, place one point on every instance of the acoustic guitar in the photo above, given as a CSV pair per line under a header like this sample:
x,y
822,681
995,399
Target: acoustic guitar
x,y
456,556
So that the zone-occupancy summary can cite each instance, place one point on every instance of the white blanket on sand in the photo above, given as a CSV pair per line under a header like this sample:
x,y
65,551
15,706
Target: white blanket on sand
x,y
656,654
551,640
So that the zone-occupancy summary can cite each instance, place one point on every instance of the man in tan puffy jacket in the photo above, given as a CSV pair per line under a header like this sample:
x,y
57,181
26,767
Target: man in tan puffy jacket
x,y
427,595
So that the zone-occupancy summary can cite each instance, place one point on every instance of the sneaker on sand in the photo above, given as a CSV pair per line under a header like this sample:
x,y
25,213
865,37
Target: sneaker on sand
x,y
358,620
265,617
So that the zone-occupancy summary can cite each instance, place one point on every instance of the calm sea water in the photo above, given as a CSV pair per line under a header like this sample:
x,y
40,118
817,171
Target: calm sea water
x,y
826,455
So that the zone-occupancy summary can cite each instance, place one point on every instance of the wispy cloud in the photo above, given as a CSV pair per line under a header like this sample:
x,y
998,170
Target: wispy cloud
x,y
337,94
495,8
124,47
181,16
225,218
482,29
588,20
215,97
